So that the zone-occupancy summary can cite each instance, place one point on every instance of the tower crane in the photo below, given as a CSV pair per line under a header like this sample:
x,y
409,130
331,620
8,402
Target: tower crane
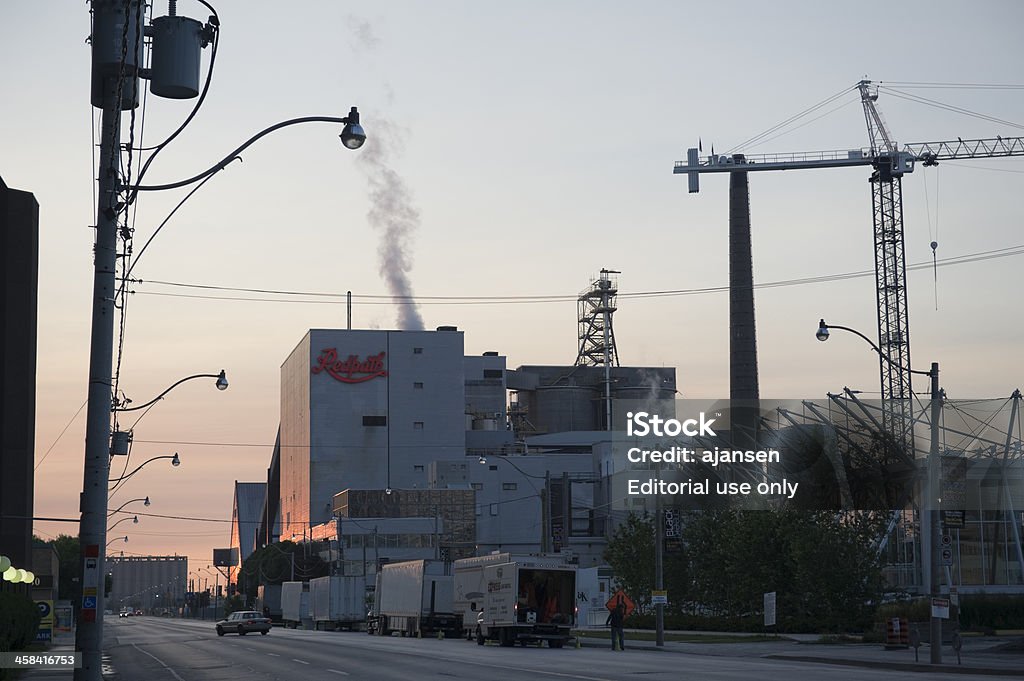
x,y
890,163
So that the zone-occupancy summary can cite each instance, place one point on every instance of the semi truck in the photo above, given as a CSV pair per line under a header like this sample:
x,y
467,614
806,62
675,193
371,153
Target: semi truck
x,y
338,601
295,609
516,599
414,598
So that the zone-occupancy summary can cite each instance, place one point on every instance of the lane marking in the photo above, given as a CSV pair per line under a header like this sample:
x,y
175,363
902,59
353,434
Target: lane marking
x,y
173,673
338,671
299,661
273,654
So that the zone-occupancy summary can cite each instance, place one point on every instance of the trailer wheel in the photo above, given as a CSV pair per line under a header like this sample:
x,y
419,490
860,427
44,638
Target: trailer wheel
x,y
479,636
505,638
555,644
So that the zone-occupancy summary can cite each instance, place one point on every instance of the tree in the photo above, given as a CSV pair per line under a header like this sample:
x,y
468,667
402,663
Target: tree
x,y
630,553
272,564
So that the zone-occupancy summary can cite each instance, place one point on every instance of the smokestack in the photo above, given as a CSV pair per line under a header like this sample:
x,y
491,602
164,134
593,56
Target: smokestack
x,y
742,334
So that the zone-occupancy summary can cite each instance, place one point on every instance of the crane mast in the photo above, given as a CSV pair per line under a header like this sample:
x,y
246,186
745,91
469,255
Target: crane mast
x,y
890,272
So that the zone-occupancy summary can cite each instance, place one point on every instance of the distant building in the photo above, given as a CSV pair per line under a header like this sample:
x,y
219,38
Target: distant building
x,y
147,583
245,518
19,258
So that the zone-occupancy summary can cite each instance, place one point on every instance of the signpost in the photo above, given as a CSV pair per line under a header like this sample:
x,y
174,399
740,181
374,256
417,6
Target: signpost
x,y
940,608
769,609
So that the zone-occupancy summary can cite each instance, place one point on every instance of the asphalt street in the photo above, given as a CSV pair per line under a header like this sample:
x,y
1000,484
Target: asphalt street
x,y
155,649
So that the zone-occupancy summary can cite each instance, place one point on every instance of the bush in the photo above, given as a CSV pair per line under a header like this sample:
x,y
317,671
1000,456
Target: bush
x,y
19,621
991,611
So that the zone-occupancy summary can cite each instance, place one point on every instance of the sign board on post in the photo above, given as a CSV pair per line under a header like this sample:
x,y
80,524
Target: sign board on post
x,y
940,608
769,609
620,598
659,597
45,631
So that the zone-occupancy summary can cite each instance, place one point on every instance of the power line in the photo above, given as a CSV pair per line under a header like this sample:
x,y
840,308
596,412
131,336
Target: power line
x,y
370,299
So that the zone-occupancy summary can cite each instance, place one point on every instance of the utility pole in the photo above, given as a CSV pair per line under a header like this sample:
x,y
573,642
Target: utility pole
x,y
659,567
932,508
116,55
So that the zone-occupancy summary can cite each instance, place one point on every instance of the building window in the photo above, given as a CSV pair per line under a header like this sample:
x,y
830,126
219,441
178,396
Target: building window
x,y
418,385
417,468
494,509
477,486
375,421
417,351
509,486
417,425
479,509
493,373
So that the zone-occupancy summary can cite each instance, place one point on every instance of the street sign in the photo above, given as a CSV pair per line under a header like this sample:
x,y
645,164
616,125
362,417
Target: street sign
x,y
659,597
89,603
621,597
953,519
769,609
940,608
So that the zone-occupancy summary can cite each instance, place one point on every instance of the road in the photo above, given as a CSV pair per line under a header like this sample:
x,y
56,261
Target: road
x,y
156,649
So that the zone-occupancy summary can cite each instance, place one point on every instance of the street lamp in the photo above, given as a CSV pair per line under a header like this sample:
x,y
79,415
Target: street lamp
x,y
124,538
933,497
144,500
222,384
175,461
134,519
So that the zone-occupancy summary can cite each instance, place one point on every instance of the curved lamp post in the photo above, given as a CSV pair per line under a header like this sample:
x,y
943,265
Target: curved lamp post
x,y
124,539
134,519
175,461
144,500
934,494
222,384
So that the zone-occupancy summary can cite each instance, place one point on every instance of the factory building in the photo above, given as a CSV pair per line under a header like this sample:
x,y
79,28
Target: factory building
x,y
147,583
370,419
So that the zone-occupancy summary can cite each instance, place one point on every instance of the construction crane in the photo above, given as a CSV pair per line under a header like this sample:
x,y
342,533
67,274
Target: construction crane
x,y
890,163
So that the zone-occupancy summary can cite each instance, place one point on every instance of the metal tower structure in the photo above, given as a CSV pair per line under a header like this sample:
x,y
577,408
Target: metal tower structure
x,y
595,307
889,162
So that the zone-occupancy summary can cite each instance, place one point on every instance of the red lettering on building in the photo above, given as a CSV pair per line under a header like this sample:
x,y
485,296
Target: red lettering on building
x,y
351,369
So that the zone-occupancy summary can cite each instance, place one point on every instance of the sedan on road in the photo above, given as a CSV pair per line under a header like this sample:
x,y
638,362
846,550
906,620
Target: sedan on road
x,y
242,622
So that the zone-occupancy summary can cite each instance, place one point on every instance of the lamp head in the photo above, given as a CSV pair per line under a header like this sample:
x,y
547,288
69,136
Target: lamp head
x,y
387,490
352,135
146,502
822,333
175,461
135,520
482,460
222,381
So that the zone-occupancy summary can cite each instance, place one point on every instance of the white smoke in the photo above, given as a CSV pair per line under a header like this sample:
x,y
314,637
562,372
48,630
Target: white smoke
x,y
393,215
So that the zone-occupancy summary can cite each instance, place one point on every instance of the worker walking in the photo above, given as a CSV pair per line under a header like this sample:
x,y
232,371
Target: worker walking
x,y
615,618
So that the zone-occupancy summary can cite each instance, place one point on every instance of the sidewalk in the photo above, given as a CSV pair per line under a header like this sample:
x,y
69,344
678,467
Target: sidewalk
x,y
62,643
981,655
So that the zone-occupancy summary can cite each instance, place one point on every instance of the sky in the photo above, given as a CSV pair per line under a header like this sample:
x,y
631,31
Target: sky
x,y
534,143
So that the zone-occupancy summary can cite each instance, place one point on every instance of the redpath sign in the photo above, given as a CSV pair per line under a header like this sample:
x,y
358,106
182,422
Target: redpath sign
x,y
351,369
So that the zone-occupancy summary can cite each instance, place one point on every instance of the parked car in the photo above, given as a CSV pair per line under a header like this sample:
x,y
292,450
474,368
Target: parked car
x,y
244,621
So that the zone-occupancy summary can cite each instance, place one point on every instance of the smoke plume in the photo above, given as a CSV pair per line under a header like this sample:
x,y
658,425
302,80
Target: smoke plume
x,y
393,215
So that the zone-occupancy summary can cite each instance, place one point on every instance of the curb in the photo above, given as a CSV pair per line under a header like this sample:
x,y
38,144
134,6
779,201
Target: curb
x,y
903,666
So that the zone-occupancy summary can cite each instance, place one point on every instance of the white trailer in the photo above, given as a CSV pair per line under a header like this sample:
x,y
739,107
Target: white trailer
x,y
414,598
295,607
268,600
338,601
517,599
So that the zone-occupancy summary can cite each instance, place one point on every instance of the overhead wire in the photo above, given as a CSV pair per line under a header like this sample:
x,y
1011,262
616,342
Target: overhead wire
x,y
378,299
825,102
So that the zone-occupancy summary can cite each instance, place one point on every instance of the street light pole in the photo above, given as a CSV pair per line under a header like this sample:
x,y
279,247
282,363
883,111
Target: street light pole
x,y
120,24
931,497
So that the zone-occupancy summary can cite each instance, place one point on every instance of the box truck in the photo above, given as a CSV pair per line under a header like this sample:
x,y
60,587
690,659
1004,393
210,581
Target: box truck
x,y
517,599
295,609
